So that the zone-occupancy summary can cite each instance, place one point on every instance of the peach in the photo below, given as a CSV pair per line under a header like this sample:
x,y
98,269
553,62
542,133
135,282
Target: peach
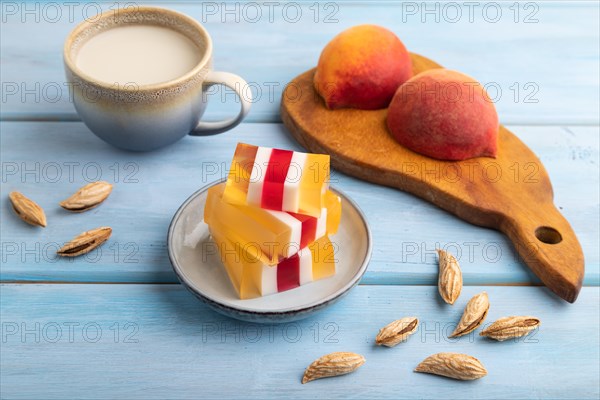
x,y
361,68
445,115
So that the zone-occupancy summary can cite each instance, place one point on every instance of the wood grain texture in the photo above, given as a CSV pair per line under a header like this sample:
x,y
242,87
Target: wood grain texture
x,y
175,347
544,67
360,145
49,161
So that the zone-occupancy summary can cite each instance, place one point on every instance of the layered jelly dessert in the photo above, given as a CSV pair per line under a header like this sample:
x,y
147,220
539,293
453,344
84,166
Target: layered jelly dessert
x,y
272,218
280,180
252,278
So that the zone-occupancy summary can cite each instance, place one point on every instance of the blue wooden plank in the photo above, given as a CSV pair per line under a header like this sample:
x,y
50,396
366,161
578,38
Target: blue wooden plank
x,y
543,68
49,161
158,341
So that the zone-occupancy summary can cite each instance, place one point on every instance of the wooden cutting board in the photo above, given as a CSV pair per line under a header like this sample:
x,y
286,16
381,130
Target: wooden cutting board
x,y
511,193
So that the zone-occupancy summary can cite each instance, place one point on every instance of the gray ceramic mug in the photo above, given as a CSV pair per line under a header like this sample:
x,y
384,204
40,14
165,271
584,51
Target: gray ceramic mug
x,y
147,117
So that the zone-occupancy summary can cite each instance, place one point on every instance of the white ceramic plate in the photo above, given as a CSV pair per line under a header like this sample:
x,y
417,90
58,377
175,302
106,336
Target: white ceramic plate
x,y
196,263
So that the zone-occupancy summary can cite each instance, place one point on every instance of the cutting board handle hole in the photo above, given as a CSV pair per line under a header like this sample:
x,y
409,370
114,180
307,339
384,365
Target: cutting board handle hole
x,y
548,235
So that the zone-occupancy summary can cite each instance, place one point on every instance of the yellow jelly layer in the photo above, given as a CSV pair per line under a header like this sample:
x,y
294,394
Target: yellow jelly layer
x,y
244,270
240,173
323,255
333,203
314,183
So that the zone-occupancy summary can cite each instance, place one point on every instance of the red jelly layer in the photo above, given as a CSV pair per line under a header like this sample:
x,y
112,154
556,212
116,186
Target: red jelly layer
x,y
309,228
277,170
288,273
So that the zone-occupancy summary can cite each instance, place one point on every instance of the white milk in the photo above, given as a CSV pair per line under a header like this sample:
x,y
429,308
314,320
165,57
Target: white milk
x,y
140,54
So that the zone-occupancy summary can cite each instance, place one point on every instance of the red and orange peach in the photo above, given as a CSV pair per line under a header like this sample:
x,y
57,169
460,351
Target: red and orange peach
x,y
361,68
445,115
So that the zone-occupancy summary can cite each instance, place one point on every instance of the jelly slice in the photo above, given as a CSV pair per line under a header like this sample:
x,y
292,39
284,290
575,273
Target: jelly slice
x,y
280,180
252,278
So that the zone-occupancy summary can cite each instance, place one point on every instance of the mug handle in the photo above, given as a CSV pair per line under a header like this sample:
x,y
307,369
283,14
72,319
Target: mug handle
x,y
235,83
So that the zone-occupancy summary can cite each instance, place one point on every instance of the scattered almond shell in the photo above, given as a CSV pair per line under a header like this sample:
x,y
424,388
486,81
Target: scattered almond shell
x,y
27,209
334,364
397,331
85,242
473,316
450,280
87,197
453,365
511,327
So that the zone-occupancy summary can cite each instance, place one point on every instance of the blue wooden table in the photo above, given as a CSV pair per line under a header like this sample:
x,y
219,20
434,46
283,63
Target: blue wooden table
x,y
116,323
